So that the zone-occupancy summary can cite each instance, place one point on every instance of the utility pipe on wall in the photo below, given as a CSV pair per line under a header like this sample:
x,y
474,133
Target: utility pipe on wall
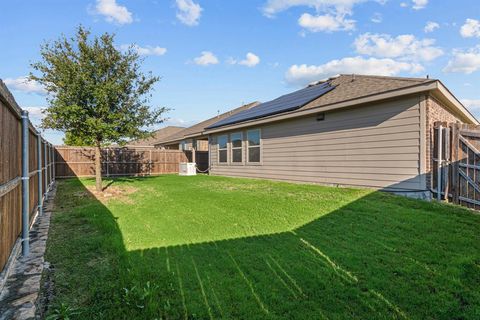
x,y
39,170
25,188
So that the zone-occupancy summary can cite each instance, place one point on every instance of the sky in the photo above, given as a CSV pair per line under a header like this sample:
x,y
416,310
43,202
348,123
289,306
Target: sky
x,y
215,55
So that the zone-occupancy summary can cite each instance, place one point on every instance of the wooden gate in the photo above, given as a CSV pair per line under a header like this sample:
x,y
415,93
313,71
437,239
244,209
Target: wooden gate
x,y
456,169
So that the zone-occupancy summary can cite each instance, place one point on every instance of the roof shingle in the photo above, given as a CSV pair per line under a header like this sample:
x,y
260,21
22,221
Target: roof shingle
x,y
349,87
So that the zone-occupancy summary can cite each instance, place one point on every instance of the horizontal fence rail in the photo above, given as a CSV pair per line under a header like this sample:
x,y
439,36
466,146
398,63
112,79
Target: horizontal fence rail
x,y
22,188
117,161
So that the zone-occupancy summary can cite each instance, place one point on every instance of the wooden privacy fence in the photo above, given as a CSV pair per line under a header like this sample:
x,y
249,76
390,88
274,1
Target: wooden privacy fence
x,y
456,170
35,180
80,161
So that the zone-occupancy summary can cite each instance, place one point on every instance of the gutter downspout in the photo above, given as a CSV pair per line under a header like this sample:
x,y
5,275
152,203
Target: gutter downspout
x,y
25,185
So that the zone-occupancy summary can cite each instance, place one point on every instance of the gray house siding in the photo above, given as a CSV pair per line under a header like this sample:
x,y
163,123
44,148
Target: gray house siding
x,y
375,146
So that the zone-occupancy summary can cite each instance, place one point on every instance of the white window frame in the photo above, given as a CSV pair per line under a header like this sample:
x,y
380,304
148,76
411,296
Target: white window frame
x,y
222,149
236,148
259,146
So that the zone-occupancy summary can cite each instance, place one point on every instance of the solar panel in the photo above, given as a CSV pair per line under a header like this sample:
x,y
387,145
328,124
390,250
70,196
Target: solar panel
x,y
288,102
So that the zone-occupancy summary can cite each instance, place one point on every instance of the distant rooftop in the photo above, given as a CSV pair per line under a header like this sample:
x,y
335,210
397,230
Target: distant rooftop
x,y
198,128
157,135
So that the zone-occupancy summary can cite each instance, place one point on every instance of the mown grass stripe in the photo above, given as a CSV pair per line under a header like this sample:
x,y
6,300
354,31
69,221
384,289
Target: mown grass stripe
x,y
202,289
250,285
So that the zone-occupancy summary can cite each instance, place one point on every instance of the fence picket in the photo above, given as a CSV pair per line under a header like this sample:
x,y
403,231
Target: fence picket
x,y
34,172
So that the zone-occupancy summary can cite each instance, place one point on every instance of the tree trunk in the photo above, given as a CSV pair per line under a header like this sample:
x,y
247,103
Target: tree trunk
x,y
98,167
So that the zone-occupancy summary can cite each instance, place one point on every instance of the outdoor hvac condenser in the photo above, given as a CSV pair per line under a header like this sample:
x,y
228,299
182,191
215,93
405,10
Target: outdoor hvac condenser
x,y
187,169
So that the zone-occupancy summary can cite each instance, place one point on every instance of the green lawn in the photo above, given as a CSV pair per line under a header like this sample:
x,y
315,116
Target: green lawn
x,y
206,247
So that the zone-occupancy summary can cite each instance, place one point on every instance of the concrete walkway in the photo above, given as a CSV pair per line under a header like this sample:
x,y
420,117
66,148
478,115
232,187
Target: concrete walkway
x,y
18,299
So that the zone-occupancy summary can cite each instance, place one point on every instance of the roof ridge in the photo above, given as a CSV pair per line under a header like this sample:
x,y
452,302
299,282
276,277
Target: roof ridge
x,y
416,79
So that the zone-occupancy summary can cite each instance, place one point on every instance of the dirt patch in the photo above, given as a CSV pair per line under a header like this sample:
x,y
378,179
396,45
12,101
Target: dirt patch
x,y
119,193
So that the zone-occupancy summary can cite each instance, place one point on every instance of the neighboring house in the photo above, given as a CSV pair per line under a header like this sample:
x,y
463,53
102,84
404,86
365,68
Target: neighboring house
x,y
156,135
193,136
351,130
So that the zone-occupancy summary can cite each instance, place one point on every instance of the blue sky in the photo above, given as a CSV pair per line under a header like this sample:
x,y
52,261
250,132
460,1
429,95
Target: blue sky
x,y
214,55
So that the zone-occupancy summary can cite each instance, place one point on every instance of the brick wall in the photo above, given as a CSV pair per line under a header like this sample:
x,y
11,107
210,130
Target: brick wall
x,y
435,111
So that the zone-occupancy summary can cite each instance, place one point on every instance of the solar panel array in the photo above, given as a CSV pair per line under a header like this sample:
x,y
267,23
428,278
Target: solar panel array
x,y
288,102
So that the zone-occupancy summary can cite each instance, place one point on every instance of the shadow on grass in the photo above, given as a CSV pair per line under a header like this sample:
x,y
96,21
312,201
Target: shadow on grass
x,y
380,256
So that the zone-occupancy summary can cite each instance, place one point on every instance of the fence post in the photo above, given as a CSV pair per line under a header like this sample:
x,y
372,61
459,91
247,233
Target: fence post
x,y
448,158
39,170
53,162
107,162
150,164
455,146
439,163
25,181
46,168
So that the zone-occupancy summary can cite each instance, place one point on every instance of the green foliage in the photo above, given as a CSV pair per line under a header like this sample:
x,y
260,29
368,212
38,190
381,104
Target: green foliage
x,y
140,298
206,247
97,93
62,312
74,140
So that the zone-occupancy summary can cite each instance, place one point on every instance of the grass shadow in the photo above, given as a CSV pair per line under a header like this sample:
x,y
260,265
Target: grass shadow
x,y
369,255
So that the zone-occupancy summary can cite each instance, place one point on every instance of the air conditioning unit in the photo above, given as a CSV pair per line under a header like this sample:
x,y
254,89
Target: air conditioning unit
x,y
187,169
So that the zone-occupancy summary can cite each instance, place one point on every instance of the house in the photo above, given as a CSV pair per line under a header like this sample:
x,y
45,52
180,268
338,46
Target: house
x,y
352,130
193,136
156,135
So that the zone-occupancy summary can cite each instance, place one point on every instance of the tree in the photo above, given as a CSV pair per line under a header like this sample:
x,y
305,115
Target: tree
x,y
73,140
97,94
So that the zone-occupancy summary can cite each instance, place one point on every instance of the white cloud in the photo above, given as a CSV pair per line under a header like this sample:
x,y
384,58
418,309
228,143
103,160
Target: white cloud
x,y
303,74
25,85
377,17
36,112
275,6
331,15
113,12
251,60
326,23
179,122
464,61
431,26
145,51
419,4
471,104
403,4
471,28
189,12
405,47
206,58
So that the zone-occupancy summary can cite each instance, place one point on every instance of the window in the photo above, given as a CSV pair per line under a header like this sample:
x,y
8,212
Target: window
x,y
222,149
253,140
236,140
